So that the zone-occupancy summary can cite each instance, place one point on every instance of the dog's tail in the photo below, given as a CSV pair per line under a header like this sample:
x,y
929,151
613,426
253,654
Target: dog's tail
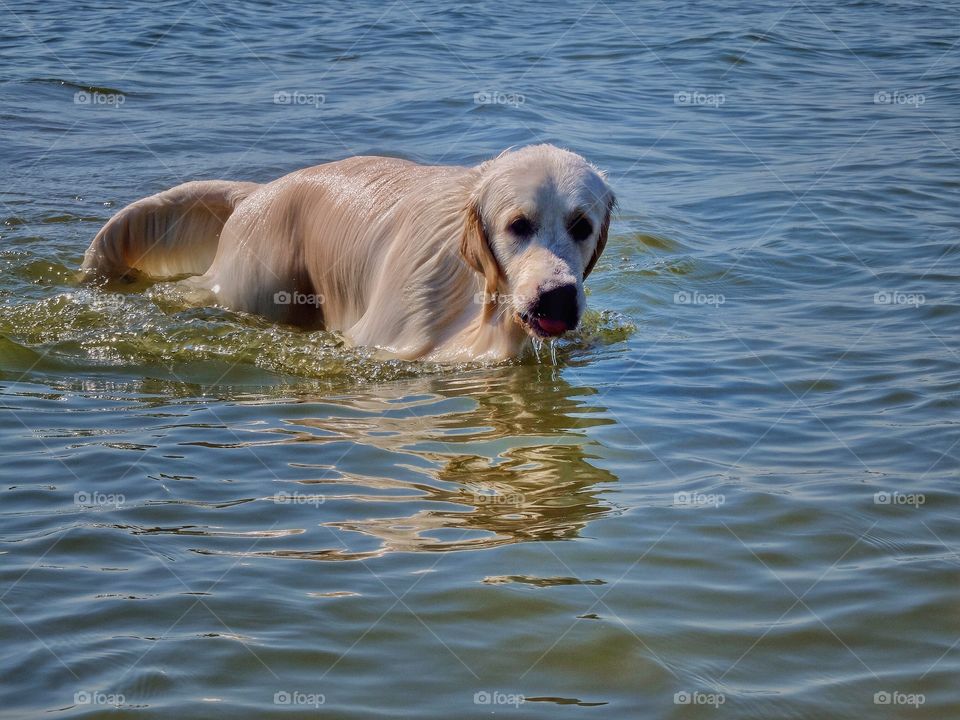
x,y
175,232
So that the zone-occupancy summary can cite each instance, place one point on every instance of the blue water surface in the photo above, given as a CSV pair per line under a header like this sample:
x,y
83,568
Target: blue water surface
x,y
733,494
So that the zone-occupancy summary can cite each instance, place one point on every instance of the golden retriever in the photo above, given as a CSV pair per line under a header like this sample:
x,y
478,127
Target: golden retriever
x,y
426,262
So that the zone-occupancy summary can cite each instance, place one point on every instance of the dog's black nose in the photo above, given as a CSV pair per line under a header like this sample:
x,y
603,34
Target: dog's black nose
x,y
556,309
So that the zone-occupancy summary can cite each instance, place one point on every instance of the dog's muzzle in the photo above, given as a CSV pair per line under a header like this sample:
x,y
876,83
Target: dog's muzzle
x,y
554,313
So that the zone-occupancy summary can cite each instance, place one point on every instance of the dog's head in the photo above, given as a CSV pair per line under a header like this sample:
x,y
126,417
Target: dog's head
x,y
537,221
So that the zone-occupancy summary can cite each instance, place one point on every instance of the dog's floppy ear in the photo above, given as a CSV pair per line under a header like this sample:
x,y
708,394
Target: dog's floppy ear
x,y
601,240
476,250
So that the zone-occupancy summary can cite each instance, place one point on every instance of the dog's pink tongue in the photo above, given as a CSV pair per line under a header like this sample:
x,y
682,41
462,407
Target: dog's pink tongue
x,y
552,327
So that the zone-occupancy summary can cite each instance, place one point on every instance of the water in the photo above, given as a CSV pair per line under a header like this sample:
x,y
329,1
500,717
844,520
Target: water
x,y
737,483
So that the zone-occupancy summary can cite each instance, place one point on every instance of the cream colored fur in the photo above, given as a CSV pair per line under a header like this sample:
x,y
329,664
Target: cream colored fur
x,y
415,259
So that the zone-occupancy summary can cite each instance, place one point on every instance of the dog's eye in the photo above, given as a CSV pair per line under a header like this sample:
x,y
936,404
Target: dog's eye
x,y
580,229
521,227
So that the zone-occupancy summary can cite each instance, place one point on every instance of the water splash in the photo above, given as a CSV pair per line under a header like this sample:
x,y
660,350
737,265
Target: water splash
x,y
537,345
149,329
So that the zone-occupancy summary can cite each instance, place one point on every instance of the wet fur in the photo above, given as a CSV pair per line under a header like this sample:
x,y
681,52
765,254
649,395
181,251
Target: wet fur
x,y
409,258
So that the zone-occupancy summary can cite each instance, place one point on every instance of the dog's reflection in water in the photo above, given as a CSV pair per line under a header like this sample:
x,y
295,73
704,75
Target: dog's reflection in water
x,y
507,460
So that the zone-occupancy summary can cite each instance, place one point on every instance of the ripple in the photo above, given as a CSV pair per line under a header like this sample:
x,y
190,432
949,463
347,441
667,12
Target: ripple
x,y
298,516
540,582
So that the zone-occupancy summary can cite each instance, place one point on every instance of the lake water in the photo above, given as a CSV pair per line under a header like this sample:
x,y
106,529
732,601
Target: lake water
x,y
733,493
